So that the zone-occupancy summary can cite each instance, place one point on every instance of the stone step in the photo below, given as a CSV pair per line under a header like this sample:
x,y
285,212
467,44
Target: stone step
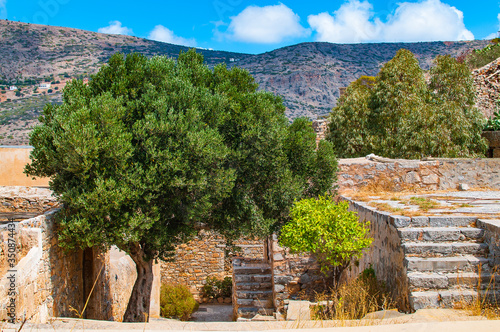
x,y
253,278
425,249
258,303
252,269
467,280
254,294
447,264
254,286
434,221
441,234
250,312
449,298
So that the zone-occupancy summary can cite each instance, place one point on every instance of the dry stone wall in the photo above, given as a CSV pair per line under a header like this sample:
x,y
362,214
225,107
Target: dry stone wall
x,y
487,82
294,276
206,255
492,239
385,255
436,174
26,199
493,138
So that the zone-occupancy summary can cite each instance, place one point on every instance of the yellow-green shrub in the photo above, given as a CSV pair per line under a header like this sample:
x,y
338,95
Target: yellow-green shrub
x,y
176,301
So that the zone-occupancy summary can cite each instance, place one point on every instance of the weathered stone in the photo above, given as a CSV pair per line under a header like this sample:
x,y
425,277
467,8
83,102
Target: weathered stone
x,y
412,178
463,187
430,179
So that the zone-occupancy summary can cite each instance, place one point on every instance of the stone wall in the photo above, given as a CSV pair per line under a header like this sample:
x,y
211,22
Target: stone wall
x,y
385,255
206,255
320,127
487,82
493,138
48,280
492,238
294,276
26,199
53,283
435,174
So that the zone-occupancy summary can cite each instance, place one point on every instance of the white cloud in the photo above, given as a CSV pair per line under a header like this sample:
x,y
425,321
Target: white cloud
x,y
163,34
3,9
265,25
494,34
425,20
351,23
115,28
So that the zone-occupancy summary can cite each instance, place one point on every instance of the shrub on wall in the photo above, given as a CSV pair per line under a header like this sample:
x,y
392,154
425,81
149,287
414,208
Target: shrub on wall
x,y
176,301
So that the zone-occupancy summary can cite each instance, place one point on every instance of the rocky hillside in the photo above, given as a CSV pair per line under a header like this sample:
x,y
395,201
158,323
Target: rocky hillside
x,y
307,75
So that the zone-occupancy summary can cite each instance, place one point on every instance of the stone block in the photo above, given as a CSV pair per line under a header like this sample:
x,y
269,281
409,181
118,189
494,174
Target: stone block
x,y
473,233
430,179
451,221
412,178
437,234
298,311
427,249
428,281
420,221
421,300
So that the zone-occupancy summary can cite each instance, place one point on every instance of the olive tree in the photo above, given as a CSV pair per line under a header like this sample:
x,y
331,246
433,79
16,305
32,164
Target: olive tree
x,y
150,148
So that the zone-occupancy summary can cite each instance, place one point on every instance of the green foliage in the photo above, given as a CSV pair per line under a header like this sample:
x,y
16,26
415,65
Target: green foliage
x,y
214,288
149,148
327,230
479,58
349,121
176,301
399,115
493,123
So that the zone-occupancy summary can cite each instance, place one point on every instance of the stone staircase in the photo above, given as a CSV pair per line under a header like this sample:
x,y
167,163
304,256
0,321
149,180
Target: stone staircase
x,y
252,288
446,261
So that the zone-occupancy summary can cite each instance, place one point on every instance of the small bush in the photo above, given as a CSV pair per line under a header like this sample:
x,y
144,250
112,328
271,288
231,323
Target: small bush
x,y
176,301
215,288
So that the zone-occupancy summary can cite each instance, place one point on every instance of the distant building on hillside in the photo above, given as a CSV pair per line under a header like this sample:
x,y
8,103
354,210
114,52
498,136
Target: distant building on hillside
x,y
13,88
44,85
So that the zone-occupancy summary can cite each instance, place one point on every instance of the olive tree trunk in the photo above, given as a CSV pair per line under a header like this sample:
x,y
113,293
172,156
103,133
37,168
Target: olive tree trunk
x,y
138,304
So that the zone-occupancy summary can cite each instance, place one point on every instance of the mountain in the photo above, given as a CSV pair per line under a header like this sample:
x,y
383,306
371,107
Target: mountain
x,y
308,76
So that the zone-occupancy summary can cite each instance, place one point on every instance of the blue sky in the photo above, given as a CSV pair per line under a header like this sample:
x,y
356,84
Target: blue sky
x,y
255,26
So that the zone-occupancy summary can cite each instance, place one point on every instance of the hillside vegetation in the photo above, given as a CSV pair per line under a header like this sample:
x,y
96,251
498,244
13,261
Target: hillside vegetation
x,y
307,75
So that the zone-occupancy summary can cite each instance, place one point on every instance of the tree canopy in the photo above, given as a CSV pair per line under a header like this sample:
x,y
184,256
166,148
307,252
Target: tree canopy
x,y
399,115
152,147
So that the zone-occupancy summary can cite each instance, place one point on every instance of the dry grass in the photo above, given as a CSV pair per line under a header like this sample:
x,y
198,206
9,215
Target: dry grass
x,y
486,304
353,300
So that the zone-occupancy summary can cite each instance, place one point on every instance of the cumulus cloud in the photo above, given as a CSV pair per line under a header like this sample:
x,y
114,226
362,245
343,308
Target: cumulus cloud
x,y
163,34
425,20
115,28
494,34
265,25
3,9
351,23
